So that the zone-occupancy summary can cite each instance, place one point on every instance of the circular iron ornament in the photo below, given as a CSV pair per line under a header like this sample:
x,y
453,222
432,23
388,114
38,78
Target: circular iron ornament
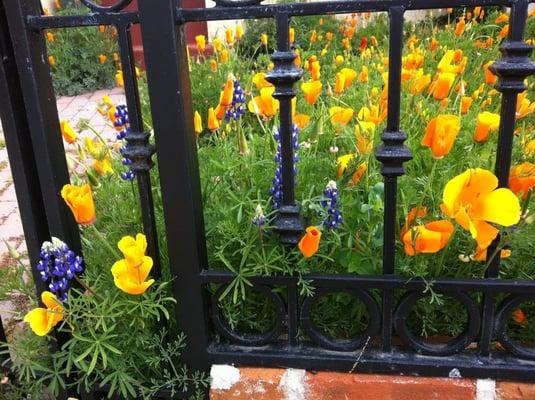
x,y
237,3
503,316
114,7
455,345
331,343
249,339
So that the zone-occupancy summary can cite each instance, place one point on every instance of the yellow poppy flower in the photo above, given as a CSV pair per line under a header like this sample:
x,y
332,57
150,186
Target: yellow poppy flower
x,y
487,123
264,105
217,44
259,79
42,320
130,274
67,132
474,200
315,70
197,123
349,76
200,40
340,115
80,201
343,162
311,90
264,39
364,136
419,84
103,167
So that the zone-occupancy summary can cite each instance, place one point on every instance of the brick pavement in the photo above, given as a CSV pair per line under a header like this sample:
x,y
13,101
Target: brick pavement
x,y
72,109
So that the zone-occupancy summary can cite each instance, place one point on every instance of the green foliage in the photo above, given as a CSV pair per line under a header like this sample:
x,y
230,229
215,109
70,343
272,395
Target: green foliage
x,y
76,54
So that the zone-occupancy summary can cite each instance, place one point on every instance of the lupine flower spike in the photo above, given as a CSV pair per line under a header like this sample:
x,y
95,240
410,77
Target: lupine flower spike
x,y
58,265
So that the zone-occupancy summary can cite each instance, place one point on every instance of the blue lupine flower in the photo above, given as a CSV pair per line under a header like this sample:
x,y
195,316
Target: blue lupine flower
x,y
58,265
237,108
333,206
259,218
122,124
276,188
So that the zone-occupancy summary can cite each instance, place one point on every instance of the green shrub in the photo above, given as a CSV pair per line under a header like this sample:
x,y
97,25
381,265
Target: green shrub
x,y
76,54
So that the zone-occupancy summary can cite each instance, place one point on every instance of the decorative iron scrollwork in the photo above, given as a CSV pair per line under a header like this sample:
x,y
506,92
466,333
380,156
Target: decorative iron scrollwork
x,y
503,316
393,153
453,346
138,151
335,344
114,7
250,339
236,3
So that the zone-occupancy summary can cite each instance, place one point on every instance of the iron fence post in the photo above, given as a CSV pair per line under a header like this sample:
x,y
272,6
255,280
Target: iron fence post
x,y
170,93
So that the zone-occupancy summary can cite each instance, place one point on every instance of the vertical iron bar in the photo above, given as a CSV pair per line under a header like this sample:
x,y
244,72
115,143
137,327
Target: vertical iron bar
x,y
29,122
288,223
512,69
392,154
170,94
141,168
40,102
293,311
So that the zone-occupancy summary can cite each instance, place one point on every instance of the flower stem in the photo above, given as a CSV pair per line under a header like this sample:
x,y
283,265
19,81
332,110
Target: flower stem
x,y
105,242
86,287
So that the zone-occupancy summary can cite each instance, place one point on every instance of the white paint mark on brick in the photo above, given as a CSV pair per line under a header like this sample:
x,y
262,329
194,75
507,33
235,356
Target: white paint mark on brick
x,y
224,376
293,384
455,373
486,389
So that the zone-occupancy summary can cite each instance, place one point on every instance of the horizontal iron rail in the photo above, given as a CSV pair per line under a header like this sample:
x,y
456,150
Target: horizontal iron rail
x,y
468,364
341,281
184,15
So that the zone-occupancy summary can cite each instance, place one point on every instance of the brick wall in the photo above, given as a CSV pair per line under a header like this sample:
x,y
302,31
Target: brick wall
x,y
230,383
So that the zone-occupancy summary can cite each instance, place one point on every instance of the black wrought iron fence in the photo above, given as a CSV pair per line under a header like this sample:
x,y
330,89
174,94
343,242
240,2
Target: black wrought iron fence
x,y
30,121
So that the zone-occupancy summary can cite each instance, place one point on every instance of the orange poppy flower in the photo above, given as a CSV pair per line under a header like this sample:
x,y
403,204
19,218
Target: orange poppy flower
x,y
466,103
349,76
503,17
224,56
50,37
213,65
51,60
481,254
415,212
229,36
440,134
301,120
419,84
361,170
364,74
522,178
42,320
102,58
343,162
487,123
310,243
474,200
429,238
80,201
459,28
213,122
448,60
315,70
490,78
441,87
504,32
339,85
524,106
520,317
340,115
311,91
264,105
